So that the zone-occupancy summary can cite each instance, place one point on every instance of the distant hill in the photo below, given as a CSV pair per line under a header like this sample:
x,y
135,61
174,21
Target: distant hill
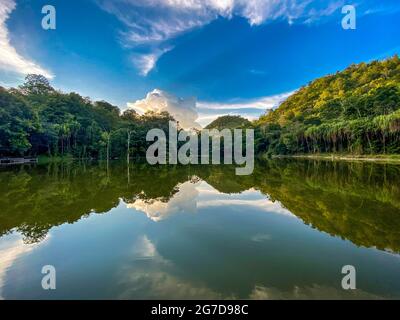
x,y
353,111
228,122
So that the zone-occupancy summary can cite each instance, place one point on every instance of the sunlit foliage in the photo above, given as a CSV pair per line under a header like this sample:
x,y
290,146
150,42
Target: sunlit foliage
x,y
354,111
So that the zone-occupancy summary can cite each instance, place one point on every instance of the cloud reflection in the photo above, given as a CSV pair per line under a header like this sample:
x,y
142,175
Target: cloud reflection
x,y
194,195
12,248
184,201
314,291
150,276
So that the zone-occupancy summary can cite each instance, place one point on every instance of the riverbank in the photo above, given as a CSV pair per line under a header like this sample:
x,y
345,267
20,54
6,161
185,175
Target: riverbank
x,y
393,158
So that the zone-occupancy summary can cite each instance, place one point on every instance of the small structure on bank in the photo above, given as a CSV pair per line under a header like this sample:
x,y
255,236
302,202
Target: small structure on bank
x,y
5,161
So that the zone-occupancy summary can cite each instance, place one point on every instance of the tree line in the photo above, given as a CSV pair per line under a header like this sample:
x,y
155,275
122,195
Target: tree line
x,y
354,111
36,119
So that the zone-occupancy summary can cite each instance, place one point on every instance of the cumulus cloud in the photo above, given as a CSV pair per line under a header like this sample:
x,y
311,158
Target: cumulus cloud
x,y
10,59
151,23
196,114
196,195
184,201
183,110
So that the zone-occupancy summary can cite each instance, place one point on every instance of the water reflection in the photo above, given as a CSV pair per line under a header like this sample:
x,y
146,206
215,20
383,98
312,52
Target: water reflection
x,y
358,202
200,231
183,201
11,248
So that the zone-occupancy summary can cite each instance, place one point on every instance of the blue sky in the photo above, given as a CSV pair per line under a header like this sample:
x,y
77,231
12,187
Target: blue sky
x,y
219,56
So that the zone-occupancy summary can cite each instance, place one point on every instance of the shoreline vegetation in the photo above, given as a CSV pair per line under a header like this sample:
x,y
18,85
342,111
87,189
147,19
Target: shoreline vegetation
x,y
355,111
388,158
392,159
353,114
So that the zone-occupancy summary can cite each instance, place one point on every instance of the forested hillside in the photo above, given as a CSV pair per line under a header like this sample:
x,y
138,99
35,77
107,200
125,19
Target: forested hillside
x,y
36,119
228,122
353,111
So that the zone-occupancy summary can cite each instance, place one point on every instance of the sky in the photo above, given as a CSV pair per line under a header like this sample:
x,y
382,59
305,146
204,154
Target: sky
x,y
198,59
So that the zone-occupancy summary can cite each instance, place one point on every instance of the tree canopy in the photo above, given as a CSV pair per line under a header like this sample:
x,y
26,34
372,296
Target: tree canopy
x,y
228,122
36,119
353,111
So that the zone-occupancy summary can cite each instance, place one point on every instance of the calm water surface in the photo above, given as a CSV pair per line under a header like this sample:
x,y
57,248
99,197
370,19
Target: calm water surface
x,y
201,231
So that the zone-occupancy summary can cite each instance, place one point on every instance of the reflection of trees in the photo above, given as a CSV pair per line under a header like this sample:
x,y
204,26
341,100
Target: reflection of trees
x,y
34,200
356,201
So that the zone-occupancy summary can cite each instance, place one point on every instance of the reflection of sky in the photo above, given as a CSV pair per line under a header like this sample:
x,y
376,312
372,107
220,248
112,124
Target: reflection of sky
x,y
11,248
209,197
194,195
153,278
199,244
232,56
184,201
149,276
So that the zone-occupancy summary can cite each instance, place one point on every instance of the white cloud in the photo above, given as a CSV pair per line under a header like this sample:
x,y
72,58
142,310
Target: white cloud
x,y
10,59
153,22
263,103
183,110
146,62
250,109
167,18
184,201
193,114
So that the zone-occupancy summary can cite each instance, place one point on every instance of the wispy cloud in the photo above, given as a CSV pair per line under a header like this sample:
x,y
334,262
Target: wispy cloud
x,y
152,23
250,109
10,59
146,62
263,103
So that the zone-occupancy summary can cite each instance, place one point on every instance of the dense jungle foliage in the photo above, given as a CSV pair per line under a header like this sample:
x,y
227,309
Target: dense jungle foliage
x,y
228,122
354,111
36,119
